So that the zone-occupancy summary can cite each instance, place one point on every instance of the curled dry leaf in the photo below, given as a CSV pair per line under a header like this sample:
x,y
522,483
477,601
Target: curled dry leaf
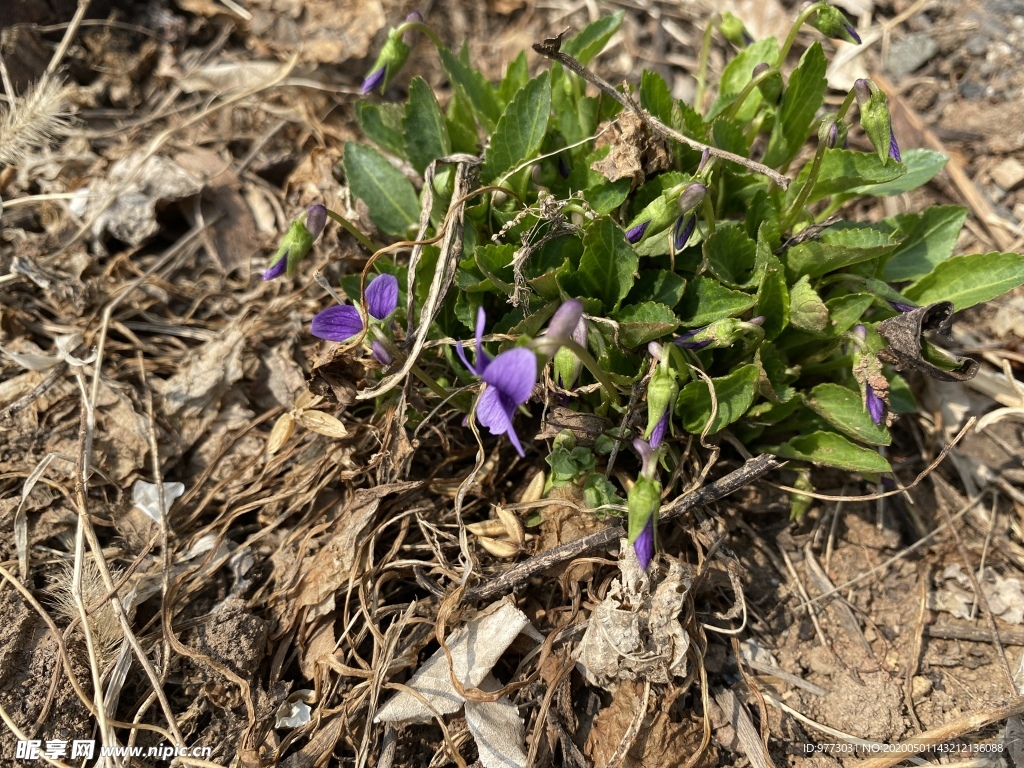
x,y
906,343
585,427
282,431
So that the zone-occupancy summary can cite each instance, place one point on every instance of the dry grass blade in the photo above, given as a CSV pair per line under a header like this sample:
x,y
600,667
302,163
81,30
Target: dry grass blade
x,y
34,119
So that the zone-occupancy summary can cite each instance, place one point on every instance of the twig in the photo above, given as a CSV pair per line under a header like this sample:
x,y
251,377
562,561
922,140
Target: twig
x,y
550,50
69,35
519,573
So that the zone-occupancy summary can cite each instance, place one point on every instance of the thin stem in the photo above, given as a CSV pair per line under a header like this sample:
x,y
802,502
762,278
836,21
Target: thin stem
x,y
709,215
795,29
702,68
652,123
747,90
845,106
351,228
379,335
419,26
805,192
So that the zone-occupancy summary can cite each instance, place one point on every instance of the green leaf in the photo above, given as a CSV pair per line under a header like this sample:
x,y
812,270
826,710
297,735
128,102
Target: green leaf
x,y
772,293
737,74
800,101
845,171
607,267
844,409
593,38
730,256
806,309
707,300
734,394
838,248
521,128
846,311
729,135
641,323
655,96
382,124
657,285
832,450
426,135
461,124
929,239
475,87
515,78
605,196
969,280
922,165
390,197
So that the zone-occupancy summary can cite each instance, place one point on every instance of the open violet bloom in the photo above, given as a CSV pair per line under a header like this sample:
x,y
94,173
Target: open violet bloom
x,y
343,321
510,378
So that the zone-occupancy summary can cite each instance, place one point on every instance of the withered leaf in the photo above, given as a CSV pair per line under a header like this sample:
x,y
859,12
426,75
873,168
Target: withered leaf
x,y
905,334
585,427
336,376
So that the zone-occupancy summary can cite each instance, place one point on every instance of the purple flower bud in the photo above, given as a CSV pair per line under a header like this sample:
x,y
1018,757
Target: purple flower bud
x,y
380,352
564,169
704,157
760,68
747,38
658,433
759,320
833,136
899,306
316,218
382,296
644,544
853,33
862,89
647,454
276,269
894,148
564,322
373,80
875,404
415,16
636,234
684,342
860,331
683,230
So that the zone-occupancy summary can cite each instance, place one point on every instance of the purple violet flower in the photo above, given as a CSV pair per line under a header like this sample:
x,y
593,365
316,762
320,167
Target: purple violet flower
x,y
343,321
644,544
316,219
852,33
899,306
894,148
276,269
658,433
636,234
373,80
875,404
380,352
683,229
510,378
684,342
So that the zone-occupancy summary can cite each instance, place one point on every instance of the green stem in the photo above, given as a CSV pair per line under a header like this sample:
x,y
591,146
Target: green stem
x,y
846,105
795,29
702,68
586,358
747,90
349,227
419,26
798,205
709,215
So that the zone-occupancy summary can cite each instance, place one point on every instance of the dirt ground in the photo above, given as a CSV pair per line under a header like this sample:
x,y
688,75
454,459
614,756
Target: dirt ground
x,y
294,575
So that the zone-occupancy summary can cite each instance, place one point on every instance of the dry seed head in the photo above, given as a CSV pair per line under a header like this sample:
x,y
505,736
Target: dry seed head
x,y
513,526
321,423
502,548
487,528
534,490
103,624
281,432
33,119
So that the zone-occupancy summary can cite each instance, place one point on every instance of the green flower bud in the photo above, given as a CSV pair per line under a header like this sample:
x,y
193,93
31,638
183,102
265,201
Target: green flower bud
x,y
392,58
828,131
721,333
874,116
771,86
656,217
643,503
832,23
662,391
733,30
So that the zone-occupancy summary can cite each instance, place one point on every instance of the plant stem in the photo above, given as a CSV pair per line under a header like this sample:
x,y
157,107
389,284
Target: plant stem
x,y
419,26
805,192
795,29
747,90
702,68
351,228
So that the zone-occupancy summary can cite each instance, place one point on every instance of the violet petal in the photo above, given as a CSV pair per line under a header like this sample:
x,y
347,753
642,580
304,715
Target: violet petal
x,y
514,373
482,358
382,296
316,219
875,404
373,80
646,452
852,33
494,410
337,323
658,433
567,317
380,352
461,352
636,234
276,269
644,544
894,148
683,229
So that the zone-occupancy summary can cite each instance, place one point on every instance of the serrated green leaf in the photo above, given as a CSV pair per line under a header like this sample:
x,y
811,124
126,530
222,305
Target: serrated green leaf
x,y
928,239
772,292
461,124
521,128
846,311
516,75
801,100
706,300
832,450
729,135
838,248
475,87
844,171
426,135
737,74
969,280
844,409
390,197
655,95
730,256
922,165
641,323
592,39
605,196
607,267
658,285
763,219
382,124
734,394
806,309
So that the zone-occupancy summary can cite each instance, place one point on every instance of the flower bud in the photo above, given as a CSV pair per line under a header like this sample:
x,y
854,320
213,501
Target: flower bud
x,y
662,391
771,85
832,23
294,247
733,30
721,333
316,218
656,217
875,119
692,196
643,503
567,366
392,58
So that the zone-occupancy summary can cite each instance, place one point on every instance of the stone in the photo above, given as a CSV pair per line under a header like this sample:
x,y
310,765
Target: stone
x,y
1008,174
909,54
